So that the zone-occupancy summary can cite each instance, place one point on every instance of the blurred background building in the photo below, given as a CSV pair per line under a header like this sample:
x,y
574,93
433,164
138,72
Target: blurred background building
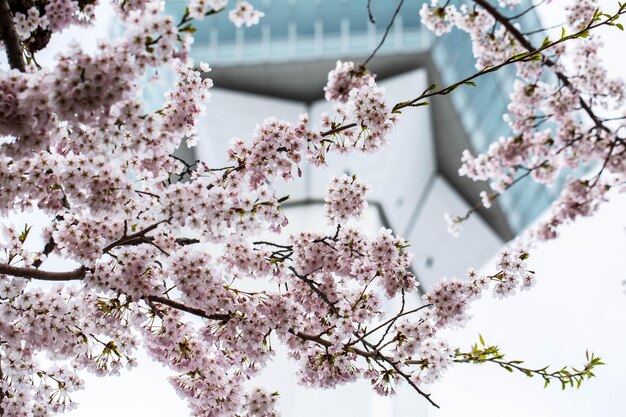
x,y
279,67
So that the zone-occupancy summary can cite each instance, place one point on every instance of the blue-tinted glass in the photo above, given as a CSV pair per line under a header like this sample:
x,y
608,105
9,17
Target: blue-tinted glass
x,y
225,27
410,14
305,15
331,15
278,18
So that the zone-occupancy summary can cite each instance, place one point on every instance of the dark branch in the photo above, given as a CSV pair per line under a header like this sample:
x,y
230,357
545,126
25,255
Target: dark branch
x,y
27,272
338,129
191,310
135,238
9,36
316,290
47,250
370,15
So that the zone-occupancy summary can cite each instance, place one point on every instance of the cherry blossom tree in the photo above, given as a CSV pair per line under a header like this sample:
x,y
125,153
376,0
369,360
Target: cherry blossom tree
x,y
163,248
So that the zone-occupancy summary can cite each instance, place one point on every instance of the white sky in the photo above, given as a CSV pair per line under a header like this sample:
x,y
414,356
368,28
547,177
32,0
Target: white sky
x,y
578,304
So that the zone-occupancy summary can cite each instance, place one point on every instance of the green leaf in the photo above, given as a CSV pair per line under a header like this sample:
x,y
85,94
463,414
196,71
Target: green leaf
x,y
482,341
470,83
188,28
619,26
25,233
563,32
430,88
282,199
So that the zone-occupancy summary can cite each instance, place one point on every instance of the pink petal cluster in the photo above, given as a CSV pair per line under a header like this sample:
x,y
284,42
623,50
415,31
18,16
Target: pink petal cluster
x,y
344,78
245,14
345,198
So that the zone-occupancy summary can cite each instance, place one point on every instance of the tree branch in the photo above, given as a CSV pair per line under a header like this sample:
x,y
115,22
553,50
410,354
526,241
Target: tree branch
x,y
133,239
506,22
316,290
47,250
9,36
27,272
391,320
400,372
192,310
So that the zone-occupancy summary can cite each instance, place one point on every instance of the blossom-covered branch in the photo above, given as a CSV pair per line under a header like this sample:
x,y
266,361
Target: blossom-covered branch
x,y
557,120
157,239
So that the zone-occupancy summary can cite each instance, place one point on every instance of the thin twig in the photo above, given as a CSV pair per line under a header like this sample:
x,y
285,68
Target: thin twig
x,y
382,41
312,285
391,320
370,15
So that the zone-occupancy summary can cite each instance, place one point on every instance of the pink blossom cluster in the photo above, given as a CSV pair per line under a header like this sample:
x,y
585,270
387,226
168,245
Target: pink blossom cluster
x,y
84,87
581,12
242,14
203,374
382,258
490,47
54,182
199,8
152,38
343,79
363,124
24,109
275,148
63,13
345,198
260,403
580,198
372,114
245,14
25,24
13,250
437,18
35,320
451,297
186,103
436,357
